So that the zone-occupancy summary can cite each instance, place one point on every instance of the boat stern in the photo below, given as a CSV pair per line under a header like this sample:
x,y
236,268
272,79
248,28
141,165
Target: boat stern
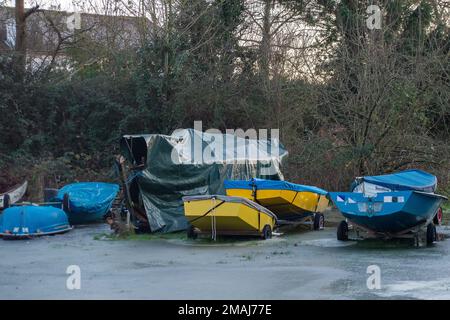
x,y
227,215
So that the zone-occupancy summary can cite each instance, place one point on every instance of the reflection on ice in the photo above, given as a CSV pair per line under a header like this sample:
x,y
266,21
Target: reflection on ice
x,y
435,289
327,243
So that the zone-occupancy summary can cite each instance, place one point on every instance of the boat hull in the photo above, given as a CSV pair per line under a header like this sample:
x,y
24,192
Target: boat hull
x,y
228,215
388,212
30,221
15,194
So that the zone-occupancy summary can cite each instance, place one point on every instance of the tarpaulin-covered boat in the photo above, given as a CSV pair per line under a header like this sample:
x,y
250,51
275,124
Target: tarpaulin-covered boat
x,y
13,195
86,202
224,215
289,201
191,162
390,205
29,221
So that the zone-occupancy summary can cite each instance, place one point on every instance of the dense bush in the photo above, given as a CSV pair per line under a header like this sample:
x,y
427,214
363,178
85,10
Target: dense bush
x,y
372,104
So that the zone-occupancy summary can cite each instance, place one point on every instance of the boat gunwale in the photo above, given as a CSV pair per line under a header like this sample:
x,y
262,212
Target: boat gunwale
x,y
288,186
429,194
30,235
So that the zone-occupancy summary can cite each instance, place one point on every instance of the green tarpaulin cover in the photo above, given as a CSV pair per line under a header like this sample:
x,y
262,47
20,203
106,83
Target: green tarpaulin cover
x,y
189,163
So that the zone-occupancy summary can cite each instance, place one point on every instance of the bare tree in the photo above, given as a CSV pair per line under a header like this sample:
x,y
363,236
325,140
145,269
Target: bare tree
x,y
20,46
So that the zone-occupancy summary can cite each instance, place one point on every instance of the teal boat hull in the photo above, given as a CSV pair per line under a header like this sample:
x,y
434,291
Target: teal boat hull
x,y
388,212
29,221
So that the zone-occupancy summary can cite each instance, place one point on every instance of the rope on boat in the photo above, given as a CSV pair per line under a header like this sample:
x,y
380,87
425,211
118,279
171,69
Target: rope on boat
x,y
131,177
254,188
208,212
213,220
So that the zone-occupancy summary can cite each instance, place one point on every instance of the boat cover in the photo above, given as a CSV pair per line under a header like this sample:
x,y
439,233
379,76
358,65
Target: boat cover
x,y
33,220
244,201
405,180
262,184
167,168
89,197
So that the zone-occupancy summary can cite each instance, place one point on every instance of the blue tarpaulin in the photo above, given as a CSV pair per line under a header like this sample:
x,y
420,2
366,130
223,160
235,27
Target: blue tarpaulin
x,y
88,201
262,184
405,180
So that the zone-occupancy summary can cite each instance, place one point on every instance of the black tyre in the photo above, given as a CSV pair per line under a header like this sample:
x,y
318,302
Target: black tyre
x,y
319,221
191,234
342,231
437,220
66,203
6,201
431,234
267,232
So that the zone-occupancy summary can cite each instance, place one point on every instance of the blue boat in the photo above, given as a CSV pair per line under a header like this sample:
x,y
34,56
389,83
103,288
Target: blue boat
x,y
28,221
390,205
87,202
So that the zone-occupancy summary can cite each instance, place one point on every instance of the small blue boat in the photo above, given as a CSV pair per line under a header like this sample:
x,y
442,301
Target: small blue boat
x,y
29,221
87,201
390,205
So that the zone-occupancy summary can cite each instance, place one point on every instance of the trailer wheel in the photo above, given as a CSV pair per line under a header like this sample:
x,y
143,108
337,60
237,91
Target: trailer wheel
x,y
342,231
191,234
6,201
319,221
437,220
267,232
431,234
66,203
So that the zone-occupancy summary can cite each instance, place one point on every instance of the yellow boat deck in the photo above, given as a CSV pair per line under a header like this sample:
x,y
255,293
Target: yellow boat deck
x,y
286,204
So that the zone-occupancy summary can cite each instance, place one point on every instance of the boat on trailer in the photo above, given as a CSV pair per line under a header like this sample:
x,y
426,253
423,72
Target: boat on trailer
x,y
12,196
292,203
225,215
26,221
397,205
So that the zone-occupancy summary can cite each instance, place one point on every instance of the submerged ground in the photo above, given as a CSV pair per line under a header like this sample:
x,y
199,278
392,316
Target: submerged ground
x,y
296,265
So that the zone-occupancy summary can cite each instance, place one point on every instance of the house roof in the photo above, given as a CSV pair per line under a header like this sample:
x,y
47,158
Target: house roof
x,y
45,27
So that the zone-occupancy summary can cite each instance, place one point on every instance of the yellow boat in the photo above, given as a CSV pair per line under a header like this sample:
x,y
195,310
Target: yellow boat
x,y
289,201
223,215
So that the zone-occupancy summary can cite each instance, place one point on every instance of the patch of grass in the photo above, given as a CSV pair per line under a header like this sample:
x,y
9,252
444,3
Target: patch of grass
x,y
105,236
141,237
156,236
